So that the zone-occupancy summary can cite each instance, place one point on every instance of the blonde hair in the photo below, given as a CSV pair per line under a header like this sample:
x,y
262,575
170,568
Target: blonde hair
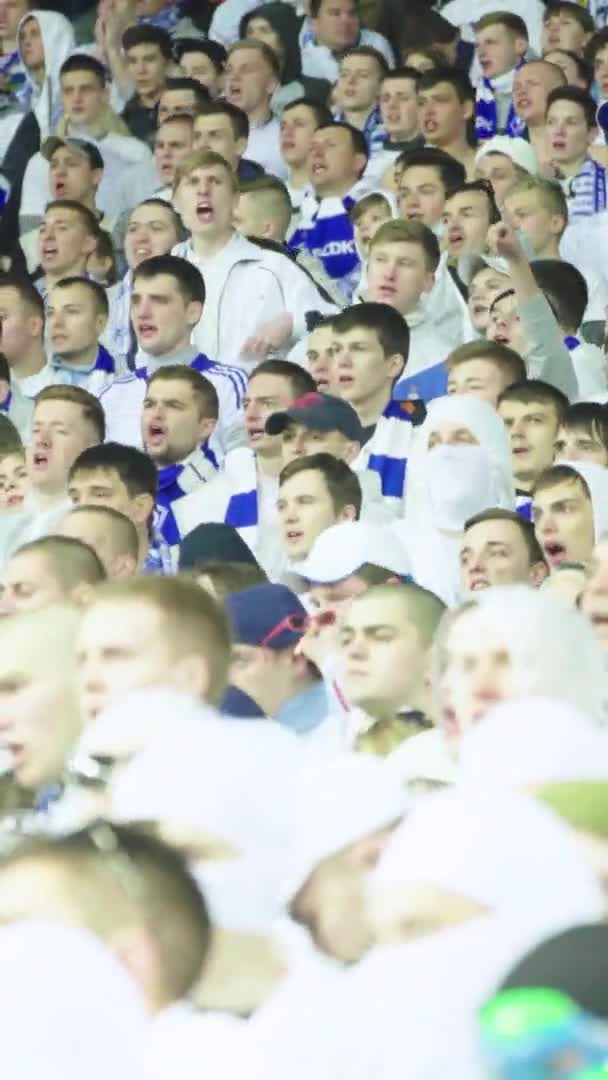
x,y
202,159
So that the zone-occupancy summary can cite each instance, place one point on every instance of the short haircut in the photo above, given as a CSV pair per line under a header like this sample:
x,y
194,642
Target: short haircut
x,y
134,468
144,34
565,288
122,872
228,577
238,118
202,388
10,439
511,22
525,527
315,7
202,159
421,28
409,232
391,328
100,297
321,112
403,72
87,217
163,205
435,56
583,67
28,293
84,62
451,171
193,623
595,45
71,561
182,82
341,482
187,277
105,250
121,528
271,199
215,52
90,405
583,18
177,118
458,80
357,137
367,50
300,380
537,392
484,188
578,97
508,361
560,474
550,194
374,200
424,609
263,49
589,417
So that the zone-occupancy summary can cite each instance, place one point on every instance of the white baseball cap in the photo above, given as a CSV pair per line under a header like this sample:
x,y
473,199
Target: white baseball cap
x,y
520,151
343,549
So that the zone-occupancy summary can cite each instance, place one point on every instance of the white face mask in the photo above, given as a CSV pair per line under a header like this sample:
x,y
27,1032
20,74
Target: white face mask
x,y
459,483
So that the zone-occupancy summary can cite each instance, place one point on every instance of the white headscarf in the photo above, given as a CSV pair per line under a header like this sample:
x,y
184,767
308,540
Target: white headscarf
x,y
554,652
59,42
532,741
69,1009
471,479
596,479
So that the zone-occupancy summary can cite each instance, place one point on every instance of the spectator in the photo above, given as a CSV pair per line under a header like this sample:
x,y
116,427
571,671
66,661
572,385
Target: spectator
x,y
52,570
22,317
147,51
501,43
109,533
503,161
531,88
329,31
314,493
571,129
252,75
484,369
499,548
358,90
569,511
298,123
77,314
224,129
68,235
532,412
445,110
204,61
583,434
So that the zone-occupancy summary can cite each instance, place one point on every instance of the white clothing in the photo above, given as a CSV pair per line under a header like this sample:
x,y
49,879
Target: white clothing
x,y
58,41
318,62
117,151
591,370
464,14
263,147
423,757
428,345
30,242
30,523
258,284
226,20
31,385
138,182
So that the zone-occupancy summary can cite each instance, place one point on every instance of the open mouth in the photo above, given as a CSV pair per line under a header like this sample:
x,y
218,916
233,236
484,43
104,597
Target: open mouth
x,y
156,433
554,552
15,500
204,212
558,144
146,330
49,251
455,239
294,536
502,339
40,460
479,583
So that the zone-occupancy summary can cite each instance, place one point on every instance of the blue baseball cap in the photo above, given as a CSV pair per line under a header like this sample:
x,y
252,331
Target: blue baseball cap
x,y
266,615
323,412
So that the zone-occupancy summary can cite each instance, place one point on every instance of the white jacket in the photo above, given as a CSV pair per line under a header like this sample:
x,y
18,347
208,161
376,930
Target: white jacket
x,y
246,286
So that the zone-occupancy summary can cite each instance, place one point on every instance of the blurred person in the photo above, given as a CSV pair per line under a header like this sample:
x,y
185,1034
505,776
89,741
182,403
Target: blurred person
x,y
48,571
484,369
501,40
314,493
426,177
15,406
583,434
22,337
499,547
298,122
357,90
147,54
399,113
109,533
445,108
67,236
204,61
485,285
224,129
329,31
319,356
532,412
594,600
367,215
251,75
566,26
577,70
570,510
568,581
502,161
77,315
571,129
468,213
13,478
180,96
532,84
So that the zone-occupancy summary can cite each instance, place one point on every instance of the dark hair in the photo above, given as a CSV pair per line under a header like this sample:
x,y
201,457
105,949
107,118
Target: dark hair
x,y
390,327
578,97
90,405
403,72
589,417
180,232
123,527
105,250
183,82
451,171
322,114
357,137
583,67
507,360
367,50
525,527
565,288
97,291
315,7
416,27
300,380
583,18
144,34
83,62
227,577
485,188
5,371
457,78
398,231
560,474
28,293
595,44
10,439
341,482
535,391
187,276
201,387
261,47
177,118
134,468
163,893
212,49
72,561
512,22
238,119
87,217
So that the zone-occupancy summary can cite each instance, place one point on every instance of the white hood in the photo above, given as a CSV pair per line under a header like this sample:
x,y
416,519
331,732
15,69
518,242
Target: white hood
x,y
58,40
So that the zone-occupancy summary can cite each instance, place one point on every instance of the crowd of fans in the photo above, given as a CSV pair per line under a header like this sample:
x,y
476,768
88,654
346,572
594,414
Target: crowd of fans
x,y
304,540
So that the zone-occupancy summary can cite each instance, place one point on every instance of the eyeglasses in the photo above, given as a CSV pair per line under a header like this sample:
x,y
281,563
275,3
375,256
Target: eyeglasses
x,y
295,624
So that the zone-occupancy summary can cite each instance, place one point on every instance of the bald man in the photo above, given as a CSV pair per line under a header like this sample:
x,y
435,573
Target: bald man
x,y
51,570
111,534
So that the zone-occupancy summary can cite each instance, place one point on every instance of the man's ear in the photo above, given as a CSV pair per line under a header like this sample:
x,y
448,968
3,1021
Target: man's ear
x,y
194,311
143,505
352,450
206,428
538,572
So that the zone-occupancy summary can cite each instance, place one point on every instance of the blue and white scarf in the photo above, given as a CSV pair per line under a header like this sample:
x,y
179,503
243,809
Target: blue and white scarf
x,y
166,19
425,385
158,561
373,131
235,376
523,505
94,379
586,192
388,449
326,230
486,108
175,481
242,511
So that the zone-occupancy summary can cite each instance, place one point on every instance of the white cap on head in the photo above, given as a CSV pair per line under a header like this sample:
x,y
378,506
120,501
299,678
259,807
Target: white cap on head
x,y
343,549
339,802
522,153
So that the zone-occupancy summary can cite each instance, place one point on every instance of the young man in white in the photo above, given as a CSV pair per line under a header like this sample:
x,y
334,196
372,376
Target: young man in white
x,y
252,75
77,313
166,304
398,102
332,27
503,161
531,88
502,42
299,121
67,236
357,92
446,102
22,318
270,293
315,492
571,130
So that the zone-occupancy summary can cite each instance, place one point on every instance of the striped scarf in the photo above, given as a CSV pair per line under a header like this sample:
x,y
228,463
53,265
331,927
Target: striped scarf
x,y
242,511
175,481
586,192
389,447
430,383
486,107
326,230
